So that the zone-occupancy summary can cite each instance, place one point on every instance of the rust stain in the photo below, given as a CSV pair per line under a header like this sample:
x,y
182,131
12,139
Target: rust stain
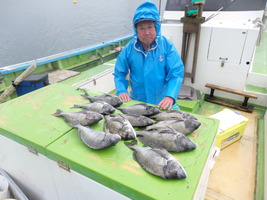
x,y
135,164
97,158
70,100
4,120
130,169
176,157
65,141
195,135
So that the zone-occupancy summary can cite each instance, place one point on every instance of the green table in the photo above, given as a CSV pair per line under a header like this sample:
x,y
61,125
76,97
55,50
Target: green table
x,y
28,120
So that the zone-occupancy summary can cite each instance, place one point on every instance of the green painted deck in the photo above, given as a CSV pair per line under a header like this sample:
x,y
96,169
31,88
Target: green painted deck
x,y
260,58
28,120
257,89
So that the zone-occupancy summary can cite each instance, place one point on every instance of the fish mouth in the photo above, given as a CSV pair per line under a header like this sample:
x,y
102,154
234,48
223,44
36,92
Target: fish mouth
x,y
174,171
181,173
191,146
197,124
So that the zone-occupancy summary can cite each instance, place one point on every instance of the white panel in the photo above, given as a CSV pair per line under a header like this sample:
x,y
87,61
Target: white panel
x,y
41,178
29,171
72,185
227,45
102,82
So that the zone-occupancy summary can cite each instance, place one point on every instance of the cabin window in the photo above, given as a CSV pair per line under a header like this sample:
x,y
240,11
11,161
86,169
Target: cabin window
x,y
213,5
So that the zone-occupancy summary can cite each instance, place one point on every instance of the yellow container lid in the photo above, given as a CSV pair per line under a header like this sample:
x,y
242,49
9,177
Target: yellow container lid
x,y
228,119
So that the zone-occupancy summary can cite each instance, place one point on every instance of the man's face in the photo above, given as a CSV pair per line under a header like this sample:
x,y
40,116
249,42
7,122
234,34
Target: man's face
x,y
146,33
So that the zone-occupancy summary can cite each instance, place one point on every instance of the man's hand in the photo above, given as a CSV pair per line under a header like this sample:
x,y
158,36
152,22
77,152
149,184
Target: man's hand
x,y
166,103
124,97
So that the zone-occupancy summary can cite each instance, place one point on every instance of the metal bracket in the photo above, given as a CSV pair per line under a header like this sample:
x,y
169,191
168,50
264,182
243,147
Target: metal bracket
x,y
94,81
100,57
63,165
1,78
32,150
223,61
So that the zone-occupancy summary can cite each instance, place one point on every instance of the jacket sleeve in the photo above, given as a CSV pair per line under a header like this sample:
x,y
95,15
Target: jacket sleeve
x,y
120,72
175,72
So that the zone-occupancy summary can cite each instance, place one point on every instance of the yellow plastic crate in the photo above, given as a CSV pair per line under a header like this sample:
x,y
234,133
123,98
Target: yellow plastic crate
x,y
231,128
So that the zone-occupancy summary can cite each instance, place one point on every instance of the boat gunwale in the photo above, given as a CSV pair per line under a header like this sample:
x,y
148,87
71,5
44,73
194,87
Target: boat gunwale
x,y
59,56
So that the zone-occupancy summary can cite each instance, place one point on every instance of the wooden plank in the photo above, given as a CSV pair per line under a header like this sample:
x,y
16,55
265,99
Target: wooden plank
x,y
60,75
228,103
238,92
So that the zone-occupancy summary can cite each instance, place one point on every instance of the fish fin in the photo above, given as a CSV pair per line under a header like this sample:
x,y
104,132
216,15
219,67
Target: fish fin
x,y
162,152
141,128
133,115
74,124
119,114
143,140
142,104
174,111
168,130
119,120
174,118
153,116
178,120
106,129
151,127
57,113
139,134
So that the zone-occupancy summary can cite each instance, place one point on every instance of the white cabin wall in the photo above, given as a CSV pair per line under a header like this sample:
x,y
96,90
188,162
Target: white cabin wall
x,y
234,72
223,15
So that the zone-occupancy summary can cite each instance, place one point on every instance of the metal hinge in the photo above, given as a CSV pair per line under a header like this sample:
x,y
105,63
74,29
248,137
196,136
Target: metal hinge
x,y
32,150
63,165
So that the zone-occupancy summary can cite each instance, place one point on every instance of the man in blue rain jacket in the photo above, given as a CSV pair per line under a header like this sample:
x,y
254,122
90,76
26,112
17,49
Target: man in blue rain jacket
x,y
153,64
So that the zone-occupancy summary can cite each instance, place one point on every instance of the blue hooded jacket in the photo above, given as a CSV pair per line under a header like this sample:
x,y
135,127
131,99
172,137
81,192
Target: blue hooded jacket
x,y
155,73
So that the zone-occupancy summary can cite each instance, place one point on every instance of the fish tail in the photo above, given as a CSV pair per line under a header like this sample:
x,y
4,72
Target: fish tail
x,y
130,144
86,95
76,106
74,124
58,112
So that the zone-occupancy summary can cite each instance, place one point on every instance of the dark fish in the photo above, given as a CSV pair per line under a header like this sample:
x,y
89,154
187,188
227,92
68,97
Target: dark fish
x,y
84,117
140,109
138,120
108,98
172,114
96,139
98,106
167,138
157,161
117,124
184,126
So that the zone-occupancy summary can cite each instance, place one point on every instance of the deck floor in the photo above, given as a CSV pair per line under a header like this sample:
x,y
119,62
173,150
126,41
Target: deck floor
x,y
233,175
260,58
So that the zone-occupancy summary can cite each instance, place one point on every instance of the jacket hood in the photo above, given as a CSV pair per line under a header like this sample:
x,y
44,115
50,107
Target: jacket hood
x,y
147,11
